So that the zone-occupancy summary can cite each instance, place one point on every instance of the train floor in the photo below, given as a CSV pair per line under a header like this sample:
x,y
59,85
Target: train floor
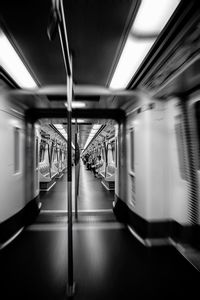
x,y
109,263
92,194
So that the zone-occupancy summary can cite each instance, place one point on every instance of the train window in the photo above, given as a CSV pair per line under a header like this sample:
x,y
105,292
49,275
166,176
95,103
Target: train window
x,y
180,148
113,150
56,154
42,150
116,152
103,154
106,153
36,152
17,149
36,179
132,150
197,111
109,153
51,153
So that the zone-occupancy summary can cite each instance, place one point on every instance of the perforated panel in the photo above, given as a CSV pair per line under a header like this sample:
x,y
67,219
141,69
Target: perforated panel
x,y
181,150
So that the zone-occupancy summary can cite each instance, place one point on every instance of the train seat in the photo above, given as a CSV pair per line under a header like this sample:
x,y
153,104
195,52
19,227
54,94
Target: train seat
x,y
47,179
110,170
108,179
44,170
57,167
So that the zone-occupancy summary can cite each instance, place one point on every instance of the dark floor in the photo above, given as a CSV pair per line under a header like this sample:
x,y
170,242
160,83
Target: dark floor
x,y
109,263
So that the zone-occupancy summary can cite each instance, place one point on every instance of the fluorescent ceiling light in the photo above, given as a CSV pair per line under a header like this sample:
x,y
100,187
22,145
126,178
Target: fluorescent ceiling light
x,y
13,65
78,121
151,18
96,126
133,54
58,126
153,15
92,133
76,104
63,132
61,129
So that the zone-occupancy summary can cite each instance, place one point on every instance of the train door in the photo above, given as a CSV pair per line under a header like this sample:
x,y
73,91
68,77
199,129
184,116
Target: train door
x,y
131,167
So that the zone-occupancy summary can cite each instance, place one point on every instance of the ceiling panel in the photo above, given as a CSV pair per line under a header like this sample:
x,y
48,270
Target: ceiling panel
x,y
95,31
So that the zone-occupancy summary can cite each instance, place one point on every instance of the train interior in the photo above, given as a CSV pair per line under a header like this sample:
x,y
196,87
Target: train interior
x,y
89,186
99,176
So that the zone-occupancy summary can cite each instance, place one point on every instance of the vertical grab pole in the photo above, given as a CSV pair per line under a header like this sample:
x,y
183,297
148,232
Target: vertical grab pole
x,y
71,285
78,161
68,67
58,21
76,170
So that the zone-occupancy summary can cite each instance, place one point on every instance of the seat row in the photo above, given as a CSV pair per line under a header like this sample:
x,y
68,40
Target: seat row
x,y
48,175
108,176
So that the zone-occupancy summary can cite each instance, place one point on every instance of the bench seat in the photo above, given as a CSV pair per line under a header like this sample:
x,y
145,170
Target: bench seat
x,y
108,184
56,167
46,181
108,179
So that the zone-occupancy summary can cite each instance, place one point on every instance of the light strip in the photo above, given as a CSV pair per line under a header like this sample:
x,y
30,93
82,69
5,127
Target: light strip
x,y
150,20
96,127
58,126
131,58
78,121
153,15
92,133
13,65
61,129
76,104
63,132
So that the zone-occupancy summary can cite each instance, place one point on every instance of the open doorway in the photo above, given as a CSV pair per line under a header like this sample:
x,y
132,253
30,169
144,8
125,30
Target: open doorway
x,y
94,190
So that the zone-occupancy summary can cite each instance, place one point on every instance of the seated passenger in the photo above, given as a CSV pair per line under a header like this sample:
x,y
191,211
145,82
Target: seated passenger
x,y
89,162
98,165
93,164
85,159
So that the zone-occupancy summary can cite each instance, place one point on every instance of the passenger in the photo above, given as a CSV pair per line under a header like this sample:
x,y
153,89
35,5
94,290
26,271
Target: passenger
x,y
94,160
89,161
85,159
99,164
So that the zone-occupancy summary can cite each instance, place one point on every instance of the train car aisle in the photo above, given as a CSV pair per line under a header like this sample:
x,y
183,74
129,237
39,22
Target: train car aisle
x,y
92,194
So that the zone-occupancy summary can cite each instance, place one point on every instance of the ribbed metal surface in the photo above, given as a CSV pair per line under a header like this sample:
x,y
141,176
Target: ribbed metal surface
x,y
190,169
182,155
133,190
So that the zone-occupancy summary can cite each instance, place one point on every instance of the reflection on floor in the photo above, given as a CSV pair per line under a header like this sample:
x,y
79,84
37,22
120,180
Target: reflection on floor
x,y
108,264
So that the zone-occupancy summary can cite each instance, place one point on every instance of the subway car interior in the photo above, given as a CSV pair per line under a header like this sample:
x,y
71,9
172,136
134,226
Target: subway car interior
x,y
100,149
